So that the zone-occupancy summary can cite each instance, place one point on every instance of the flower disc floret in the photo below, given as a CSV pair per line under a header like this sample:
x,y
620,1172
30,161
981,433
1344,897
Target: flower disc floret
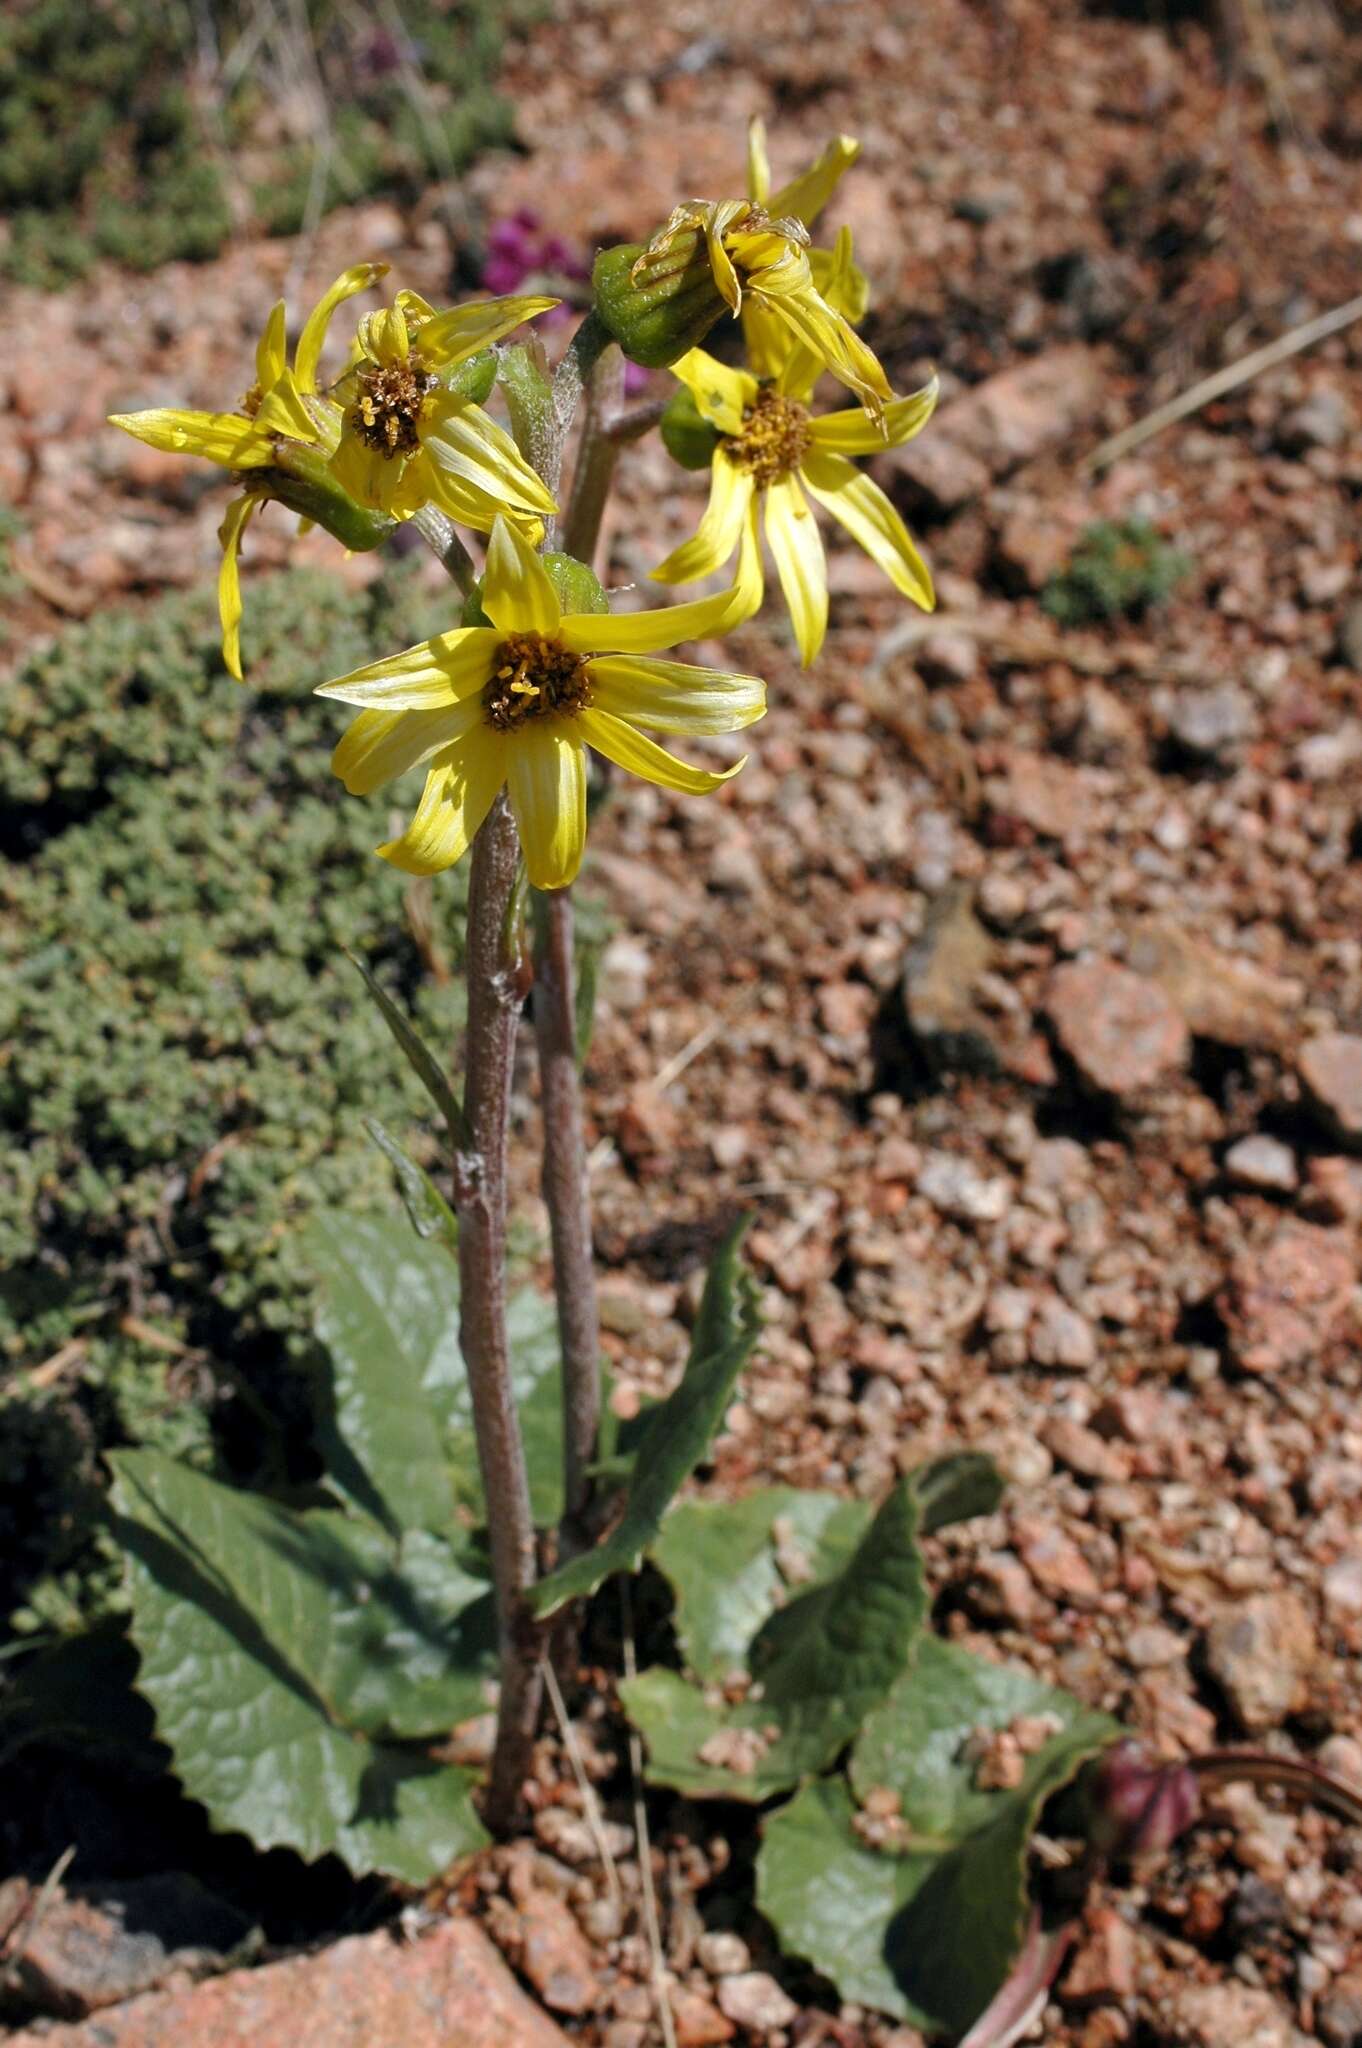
x,y
774,440
390,401
534,677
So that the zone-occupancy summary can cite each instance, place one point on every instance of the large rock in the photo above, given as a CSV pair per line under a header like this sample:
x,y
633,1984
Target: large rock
x,y
1000,424
92,1949
1261,1653
1330,1066
1227,2015
1120,1031
449,1989
1285,1299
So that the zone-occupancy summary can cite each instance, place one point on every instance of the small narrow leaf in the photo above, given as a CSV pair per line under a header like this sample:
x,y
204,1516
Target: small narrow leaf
x,y
428,1212
421,1059
927,1925
678,1431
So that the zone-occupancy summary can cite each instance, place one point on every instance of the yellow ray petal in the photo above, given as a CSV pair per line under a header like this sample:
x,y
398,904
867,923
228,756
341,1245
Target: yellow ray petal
x,y
805,197
434,673
516,593
271,351
383,335
417,309
282,412
758,163
460,790
851,433
366,474
462,439
863,509
750,586
838,280
827,337
721,393
461,332
797,549
673,696
229,581
620,743
380,745
649,632
546,780
227,438
730,494
308,354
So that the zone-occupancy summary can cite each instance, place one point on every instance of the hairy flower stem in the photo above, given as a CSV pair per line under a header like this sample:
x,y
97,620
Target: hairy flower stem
x,y
438,533
567,1196
570,380
596,457
495,993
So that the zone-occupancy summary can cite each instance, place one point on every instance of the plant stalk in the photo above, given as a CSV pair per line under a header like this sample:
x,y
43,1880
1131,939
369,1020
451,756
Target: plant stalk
x,y
596,457
495,993
567,1196
440,537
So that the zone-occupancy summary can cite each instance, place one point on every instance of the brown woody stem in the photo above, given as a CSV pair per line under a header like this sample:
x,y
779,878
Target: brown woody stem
x,y
495,993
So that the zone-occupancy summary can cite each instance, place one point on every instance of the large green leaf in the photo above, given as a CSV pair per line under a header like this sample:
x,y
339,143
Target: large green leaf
x,y
286,1655
399,1440
677,1432
731,1564
927,1927
819,1664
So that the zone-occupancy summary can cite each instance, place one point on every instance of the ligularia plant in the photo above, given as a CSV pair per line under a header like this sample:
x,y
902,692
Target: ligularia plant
x,y
306,1663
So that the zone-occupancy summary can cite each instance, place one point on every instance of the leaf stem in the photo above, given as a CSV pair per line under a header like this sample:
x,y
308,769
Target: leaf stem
x,y
495,994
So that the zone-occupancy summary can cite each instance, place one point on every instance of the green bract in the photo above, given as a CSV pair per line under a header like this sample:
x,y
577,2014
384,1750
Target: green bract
x,y
689,437
656,322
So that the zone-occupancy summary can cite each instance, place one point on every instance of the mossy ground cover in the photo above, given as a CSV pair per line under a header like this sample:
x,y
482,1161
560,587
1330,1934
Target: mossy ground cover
x,y
144,130
188,1051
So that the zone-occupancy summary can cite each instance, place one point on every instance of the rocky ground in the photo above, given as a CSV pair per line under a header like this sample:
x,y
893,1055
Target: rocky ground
x,y
1016,984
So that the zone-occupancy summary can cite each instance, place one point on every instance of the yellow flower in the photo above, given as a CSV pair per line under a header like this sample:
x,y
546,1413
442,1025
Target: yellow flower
x,y
517,703
282,403
771,450
841,285
408,440
757,257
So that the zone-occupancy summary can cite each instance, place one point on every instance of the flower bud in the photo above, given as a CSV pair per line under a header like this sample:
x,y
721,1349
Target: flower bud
x,y
658,302
686,434
474,377
1137,1807
300,477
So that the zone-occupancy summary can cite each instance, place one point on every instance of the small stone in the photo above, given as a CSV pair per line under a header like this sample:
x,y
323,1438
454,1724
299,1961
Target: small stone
x,y
1120,1031
1338,2016
1335,1189
1285,1299
625,973
1331,1068
1061,1338
450,1985
1261,1653
1341,1585
1103,1970
1262,1162
940,975
948,656
958,1189
1220,995
1057,1564
1225,2015
1050,796
699,2023
1084,1451
1152,1647
1211,724
756,2001
1323,420
1342,1754
734,869
554,1954
723,1954
1000,1590
1350,636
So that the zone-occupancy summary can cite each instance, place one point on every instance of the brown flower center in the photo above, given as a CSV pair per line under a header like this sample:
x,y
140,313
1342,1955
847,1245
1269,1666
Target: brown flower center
x,y
534,678
390,399
774,440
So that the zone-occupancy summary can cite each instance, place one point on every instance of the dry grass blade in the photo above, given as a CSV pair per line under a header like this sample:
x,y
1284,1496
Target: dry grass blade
x,y
591,1805
1292,343
651,1923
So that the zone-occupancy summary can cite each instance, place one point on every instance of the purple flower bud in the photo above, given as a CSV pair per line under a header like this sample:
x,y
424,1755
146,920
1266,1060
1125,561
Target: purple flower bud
x,y
1139,1807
